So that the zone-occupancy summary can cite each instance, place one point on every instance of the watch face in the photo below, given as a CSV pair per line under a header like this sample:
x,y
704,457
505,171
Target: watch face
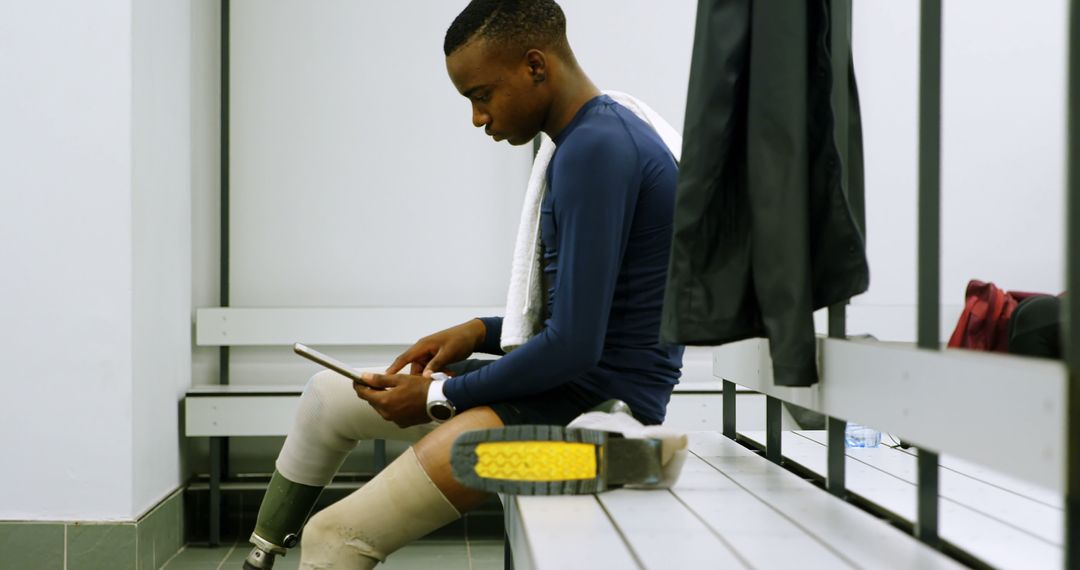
x,y
440,411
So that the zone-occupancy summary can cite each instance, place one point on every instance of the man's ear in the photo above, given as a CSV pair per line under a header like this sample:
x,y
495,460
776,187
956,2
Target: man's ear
x,y
536,62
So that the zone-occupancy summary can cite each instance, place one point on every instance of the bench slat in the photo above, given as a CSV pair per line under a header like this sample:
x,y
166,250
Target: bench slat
x,y
664,533
238,410
248,415
858,537
999,503
946,400
991,477
270,326
998,544
757,532
564,533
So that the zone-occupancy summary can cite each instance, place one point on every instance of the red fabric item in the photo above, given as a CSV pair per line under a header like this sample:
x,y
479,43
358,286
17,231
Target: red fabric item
x,y
984,324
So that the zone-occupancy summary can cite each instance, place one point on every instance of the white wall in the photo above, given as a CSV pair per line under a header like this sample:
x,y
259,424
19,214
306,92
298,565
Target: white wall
x,y
161,241
1002,185
65,239
336,144
358,179
86,301
647,54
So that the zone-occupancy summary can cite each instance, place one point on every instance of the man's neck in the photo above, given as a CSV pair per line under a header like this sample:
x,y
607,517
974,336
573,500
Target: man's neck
x,y
565,107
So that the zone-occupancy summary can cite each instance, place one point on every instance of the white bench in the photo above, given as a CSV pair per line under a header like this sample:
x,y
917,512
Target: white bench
x,y
1000,481
730,509
219,412
1002,520
997,421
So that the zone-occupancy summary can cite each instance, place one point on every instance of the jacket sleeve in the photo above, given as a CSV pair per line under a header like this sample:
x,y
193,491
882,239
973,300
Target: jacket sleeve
x,y
709,298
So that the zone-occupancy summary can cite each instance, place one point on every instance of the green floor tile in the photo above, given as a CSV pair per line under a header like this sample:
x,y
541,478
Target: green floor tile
x,y
423,555
486,554
101,546
449,555
290,561
199,557
485,548
31,545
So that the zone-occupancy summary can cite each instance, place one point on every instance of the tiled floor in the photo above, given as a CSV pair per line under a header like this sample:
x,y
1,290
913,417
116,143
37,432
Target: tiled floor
x,y
421,555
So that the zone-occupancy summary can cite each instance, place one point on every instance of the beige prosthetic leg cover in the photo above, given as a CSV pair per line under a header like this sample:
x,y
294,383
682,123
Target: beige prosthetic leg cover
x,y
330,420
398,506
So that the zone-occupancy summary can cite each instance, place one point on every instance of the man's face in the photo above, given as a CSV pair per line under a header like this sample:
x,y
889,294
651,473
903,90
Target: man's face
x,y
506,98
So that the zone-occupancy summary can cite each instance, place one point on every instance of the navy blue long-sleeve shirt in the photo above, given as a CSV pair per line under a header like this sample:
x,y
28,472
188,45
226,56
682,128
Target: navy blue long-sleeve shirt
x,y
606,227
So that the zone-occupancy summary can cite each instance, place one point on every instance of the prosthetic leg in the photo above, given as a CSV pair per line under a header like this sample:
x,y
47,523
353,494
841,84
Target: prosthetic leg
x,y
281,516
330,420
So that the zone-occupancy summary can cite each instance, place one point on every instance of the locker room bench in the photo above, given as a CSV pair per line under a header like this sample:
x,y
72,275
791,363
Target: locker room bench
x,y
622,526
1004,521
730,509
997,420
219,412
997,423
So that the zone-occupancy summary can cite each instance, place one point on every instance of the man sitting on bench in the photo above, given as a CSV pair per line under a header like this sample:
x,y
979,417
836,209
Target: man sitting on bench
x,y
605,228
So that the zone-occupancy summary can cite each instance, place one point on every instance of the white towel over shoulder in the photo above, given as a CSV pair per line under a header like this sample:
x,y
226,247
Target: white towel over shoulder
x,y
525,298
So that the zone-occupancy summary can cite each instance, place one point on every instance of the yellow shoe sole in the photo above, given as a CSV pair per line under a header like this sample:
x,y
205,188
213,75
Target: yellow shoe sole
x,y
552,460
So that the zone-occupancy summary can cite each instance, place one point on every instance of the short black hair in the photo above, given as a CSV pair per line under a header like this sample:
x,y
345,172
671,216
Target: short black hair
x,y
521,23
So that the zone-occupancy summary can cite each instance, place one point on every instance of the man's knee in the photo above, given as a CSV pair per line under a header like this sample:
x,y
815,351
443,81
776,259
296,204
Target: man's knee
x,y
326,384
396,507
433,450
433,455
328,535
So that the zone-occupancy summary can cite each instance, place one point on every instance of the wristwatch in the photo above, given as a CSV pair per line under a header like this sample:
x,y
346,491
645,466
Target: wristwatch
x,y
439,409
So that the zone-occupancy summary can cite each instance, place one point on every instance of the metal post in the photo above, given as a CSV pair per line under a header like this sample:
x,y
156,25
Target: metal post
x,y
840,40
838,320
215,491
835,476
729,409
223,252
379,455
926,525
930,175
1071,318
508,555
773,415
219,446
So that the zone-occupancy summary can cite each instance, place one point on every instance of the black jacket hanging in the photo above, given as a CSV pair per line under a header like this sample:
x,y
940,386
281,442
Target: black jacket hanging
x,y
764,234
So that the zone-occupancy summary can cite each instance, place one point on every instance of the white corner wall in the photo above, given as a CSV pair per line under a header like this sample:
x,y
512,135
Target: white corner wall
x,y
92,234
161,241
65,242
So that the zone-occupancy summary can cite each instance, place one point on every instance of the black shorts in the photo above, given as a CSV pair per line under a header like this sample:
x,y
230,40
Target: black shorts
x,y
557,406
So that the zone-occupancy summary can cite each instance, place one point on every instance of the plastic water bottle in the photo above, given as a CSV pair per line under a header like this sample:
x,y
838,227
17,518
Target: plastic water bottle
x,y
856,435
